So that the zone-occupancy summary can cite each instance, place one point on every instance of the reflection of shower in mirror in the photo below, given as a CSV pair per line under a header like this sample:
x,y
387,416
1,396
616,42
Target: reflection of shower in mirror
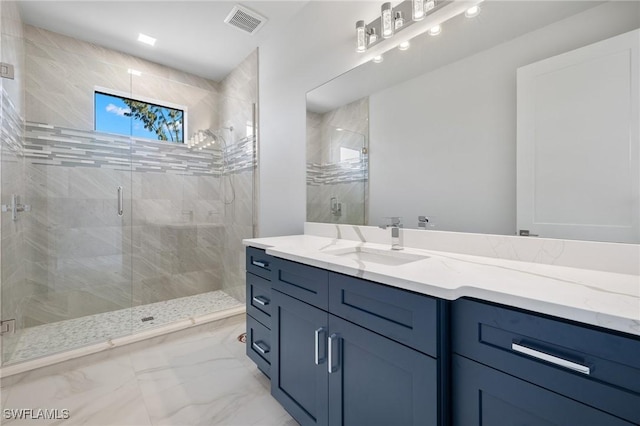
x,y
336,207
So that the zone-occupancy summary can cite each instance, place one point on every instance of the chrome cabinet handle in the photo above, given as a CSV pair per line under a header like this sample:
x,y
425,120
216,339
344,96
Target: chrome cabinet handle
x,y
256,346
260,263
331,339
317,359
550,358
120,202
261,300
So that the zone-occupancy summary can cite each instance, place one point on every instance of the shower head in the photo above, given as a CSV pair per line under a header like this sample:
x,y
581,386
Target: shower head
x,y
206,137
212,134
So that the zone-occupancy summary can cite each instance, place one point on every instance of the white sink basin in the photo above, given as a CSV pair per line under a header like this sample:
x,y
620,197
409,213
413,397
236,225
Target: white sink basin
x,y
371,255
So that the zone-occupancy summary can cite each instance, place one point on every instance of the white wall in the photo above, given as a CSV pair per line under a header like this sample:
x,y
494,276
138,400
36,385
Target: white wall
x,y
317,46
459,164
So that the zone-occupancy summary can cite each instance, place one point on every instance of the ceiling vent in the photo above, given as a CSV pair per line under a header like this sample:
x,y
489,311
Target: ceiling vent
x,y
245,19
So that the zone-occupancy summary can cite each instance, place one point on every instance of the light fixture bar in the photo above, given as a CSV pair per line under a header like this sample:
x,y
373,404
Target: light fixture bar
x,y
392,19
436,12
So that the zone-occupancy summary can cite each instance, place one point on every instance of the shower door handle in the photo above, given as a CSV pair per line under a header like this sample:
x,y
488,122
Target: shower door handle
x,y
120,202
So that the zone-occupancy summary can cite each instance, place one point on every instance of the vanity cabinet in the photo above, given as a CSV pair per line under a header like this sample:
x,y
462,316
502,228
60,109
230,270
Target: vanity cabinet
x,y
372,361
345,351
259,306
512,367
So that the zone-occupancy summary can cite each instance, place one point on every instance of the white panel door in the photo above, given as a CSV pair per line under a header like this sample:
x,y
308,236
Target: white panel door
x,y
578,153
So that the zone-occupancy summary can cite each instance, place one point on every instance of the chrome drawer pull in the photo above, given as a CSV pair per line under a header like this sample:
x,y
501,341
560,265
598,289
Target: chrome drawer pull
x,y
261,300
260,263
317,359
550,358
256,346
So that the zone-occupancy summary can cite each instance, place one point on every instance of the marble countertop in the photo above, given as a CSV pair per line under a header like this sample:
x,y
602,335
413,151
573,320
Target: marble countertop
x,y
605,299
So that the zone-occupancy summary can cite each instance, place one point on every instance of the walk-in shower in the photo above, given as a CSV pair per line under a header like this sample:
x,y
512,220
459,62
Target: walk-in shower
x,y
122,233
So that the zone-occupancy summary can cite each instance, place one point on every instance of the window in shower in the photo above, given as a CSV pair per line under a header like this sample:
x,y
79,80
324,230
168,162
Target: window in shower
x,y
138,118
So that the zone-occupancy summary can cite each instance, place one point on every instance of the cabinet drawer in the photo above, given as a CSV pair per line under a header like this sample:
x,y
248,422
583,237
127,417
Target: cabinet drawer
x,y
485,396
259,299
599,368
303,282
259,263
259,344
406,317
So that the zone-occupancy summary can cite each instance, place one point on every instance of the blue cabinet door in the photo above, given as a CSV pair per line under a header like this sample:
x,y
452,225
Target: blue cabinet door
x,y
298,364
376,381
485,396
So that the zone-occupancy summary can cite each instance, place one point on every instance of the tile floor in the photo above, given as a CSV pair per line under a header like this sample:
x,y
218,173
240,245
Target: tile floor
x,y
198,376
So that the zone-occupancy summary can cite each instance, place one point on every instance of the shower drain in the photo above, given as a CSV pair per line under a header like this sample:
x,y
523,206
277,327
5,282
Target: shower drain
x,y
242,338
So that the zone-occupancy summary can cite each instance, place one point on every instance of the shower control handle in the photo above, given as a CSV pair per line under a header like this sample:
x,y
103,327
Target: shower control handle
x,y
120,202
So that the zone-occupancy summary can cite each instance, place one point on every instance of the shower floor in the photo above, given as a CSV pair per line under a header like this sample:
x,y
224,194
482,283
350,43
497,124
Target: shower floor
x,y
47,339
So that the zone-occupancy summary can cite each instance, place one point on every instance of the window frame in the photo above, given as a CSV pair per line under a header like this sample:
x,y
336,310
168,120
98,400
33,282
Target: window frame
x,y
145,99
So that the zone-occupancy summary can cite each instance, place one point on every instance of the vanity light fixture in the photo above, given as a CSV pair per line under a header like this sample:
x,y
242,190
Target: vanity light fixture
x,y
429,5
399,21
361,39
417,10
386,16
391,22
143,38
378,59
373,37
472,12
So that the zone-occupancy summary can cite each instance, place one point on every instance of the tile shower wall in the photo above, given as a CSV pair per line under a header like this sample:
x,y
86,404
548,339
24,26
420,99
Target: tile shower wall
x,y
63,72
172,240
326,177
12,276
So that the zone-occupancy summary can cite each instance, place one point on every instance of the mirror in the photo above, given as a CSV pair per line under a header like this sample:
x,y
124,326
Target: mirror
x,y
441,128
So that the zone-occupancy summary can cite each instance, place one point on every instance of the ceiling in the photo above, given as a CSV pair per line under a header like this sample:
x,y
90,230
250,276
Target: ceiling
x,y
191,35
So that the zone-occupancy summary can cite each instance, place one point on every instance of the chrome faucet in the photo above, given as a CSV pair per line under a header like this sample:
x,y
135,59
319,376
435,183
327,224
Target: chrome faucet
x,y
422,222
395,232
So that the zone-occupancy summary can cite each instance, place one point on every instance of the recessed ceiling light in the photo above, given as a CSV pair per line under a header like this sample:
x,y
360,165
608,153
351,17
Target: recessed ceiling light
x,y
404,45
134,72
378,59
143,38
434,31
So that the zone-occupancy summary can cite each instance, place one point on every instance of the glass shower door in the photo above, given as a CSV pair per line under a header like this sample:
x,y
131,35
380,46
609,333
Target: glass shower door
x,y
68,256
12,187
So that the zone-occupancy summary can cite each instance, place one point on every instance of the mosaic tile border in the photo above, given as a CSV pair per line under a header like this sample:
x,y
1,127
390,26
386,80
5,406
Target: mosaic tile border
x,y
12,126
335,173
59,146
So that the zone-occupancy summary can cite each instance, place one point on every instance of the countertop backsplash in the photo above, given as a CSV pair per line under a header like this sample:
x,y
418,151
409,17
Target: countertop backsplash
x,y
599,256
